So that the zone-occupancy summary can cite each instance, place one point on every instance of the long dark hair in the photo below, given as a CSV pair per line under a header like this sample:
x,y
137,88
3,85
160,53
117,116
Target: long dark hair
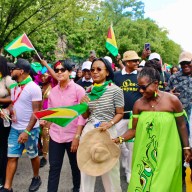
x,y
4,67
108,66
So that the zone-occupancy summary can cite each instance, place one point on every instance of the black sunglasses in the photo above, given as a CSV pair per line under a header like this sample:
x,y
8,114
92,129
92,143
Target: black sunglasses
x,y
98,69
14,68
185,63
144,87
134,60
61,69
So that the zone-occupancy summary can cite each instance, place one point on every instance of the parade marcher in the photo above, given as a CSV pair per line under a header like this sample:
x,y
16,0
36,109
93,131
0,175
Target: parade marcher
x,y
159,126
92,55
79,75
5,100
105,110
180,84
47,83
127,81
62,139
174,70
86,81
164,75
26,99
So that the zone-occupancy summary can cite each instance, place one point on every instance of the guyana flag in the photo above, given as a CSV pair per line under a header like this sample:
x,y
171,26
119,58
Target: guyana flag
x,y
19,45
62,116
111,44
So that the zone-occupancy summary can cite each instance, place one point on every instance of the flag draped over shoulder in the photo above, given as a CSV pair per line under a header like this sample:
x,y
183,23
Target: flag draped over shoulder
x,y
19,45
62,116
111,44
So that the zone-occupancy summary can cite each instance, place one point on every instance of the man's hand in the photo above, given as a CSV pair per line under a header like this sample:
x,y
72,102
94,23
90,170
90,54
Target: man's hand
x,y
23,137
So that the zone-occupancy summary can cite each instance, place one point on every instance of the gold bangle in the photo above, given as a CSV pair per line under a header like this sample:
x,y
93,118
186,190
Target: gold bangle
x,y
186,147
121,139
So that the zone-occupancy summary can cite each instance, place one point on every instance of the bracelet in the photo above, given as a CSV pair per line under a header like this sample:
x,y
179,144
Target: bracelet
x,y
27,132
121,140
77,136
186,147
112,122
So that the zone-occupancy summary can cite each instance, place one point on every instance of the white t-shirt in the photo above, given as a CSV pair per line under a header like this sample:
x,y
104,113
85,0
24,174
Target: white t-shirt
x,y
23,106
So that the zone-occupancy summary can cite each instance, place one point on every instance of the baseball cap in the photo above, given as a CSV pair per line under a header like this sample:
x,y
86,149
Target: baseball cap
x,y
130,55
23,64
86,65
154,56
109,59
185,56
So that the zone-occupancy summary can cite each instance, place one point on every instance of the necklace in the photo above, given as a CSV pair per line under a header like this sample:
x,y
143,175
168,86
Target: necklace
x,y
157,101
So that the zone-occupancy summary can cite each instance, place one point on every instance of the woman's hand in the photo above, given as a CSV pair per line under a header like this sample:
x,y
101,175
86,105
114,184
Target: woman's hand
x,y
44,63
116,140
105,125
188,155
85,99
74,145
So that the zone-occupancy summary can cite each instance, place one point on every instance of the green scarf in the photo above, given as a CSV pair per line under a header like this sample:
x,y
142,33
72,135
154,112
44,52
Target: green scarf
x,y
24,82
97,91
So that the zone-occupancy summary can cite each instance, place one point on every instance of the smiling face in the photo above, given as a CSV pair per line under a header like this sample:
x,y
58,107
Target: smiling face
x,y
147,87
62,73
132,65
186,67
99,72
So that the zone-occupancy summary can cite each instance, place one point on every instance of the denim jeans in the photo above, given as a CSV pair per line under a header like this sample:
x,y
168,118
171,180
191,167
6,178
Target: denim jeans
x,y
56,156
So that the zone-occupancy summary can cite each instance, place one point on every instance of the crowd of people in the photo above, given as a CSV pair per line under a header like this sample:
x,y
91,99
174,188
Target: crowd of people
x,y
138,117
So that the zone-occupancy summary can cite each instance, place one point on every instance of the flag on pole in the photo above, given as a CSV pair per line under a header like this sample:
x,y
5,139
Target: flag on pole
x,y
62,116
19,45
111,44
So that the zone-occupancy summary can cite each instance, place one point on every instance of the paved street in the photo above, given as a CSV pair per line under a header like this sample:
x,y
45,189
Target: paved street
x,y
23,177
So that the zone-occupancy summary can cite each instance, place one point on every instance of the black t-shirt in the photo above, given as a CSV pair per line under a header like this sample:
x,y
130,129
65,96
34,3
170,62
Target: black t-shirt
x,y
128,83
164,76
84,84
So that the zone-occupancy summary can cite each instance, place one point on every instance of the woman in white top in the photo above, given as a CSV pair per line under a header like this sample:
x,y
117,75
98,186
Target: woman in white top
x,y
5,82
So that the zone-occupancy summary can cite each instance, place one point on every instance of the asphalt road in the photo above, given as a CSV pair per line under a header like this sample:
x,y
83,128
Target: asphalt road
x,y
24,175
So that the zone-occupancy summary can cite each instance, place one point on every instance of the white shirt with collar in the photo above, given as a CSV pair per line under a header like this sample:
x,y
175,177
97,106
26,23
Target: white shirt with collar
x,y
90,80
124,72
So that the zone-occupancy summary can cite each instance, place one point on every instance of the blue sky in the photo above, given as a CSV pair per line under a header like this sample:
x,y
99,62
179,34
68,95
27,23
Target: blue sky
x,y
175,16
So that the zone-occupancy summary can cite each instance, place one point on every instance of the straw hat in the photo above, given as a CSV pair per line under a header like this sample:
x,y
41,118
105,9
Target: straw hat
x,y
130,55
97,153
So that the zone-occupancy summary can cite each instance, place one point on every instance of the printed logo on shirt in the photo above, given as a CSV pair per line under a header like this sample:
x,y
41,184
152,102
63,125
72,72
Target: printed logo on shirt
x,y
128,85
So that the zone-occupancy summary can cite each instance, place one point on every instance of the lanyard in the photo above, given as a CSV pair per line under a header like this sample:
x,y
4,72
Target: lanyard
x,y
22,87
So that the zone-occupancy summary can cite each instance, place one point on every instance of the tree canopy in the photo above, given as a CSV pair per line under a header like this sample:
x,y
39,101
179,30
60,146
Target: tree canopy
x,y
71,28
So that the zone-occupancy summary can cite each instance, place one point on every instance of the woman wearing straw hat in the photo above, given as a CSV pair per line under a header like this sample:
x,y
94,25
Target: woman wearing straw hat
x,y
96,156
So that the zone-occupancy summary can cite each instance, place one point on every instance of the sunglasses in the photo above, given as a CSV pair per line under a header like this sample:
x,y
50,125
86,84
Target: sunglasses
x,y
144,87
14,68
98,69
134,60
61,69
185,63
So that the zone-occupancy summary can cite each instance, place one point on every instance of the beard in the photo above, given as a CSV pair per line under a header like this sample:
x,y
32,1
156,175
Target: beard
x,y
14,77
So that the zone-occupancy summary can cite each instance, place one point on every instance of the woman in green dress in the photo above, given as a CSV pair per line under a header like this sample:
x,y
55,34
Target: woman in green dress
x,y
160,134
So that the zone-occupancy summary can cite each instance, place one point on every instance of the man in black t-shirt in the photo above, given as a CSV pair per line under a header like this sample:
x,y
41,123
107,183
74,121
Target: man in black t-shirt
x,y
127,81
86,81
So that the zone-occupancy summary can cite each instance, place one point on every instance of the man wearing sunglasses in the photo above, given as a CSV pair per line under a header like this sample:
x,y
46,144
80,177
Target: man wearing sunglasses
x,y
86,81
127,81
180,84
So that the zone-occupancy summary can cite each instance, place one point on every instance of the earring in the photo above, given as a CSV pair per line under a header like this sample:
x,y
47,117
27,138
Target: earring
x,y
155,94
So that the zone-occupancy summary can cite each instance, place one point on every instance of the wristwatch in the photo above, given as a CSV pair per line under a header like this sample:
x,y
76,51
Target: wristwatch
x,y
77,136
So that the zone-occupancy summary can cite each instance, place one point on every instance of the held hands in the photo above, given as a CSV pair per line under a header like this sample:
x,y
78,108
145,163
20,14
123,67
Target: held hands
x,y
23,137
85,99
44,63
